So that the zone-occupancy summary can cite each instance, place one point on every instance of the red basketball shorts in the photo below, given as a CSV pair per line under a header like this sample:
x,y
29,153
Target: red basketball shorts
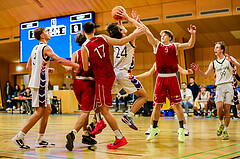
x,y
85,93
165,85
103,91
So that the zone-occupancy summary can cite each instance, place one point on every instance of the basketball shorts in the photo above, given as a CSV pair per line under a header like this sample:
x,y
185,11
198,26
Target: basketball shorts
x,y
85,93
202,105
103,91
40,97
224,92
167,83
125,79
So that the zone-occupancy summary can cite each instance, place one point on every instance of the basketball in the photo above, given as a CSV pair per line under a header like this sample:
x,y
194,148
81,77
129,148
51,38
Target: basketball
x,y
115,10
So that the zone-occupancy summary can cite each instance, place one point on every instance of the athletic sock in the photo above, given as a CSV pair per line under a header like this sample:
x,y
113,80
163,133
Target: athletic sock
x,y
155,123
85,133
98,116
225,128
74,132
118,134
130,114
151,126
185,126
21,135
40,136
221,122
181,124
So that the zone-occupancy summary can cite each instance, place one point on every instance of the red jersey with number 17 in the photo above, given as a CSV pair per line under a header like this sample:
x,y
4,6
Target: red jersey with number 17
x,y
98,50
166,58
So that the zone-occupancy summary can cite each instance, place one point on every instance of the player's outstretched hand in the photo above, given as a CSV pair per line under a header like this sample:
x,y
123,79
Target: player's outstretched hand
x,y
51,70
229,58
135,16
77,69
194,66
139,31
192,29
122,14
190,71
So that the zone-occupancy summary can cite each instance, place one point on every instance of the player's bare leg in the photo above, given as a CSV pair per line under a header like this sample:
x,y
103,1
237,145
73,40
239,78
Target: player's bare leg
x,y
142,98
120,139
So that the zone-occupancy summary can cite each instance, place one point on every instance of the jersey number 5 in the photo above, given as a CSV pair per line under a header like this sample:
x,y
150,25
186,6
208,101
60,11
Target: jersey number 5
x,y
97,50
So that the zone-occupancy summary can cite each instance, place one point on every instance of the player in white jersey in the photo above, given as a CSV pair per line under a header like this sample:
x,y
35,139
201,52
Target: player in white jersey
x,y
123,65
223,68
39,63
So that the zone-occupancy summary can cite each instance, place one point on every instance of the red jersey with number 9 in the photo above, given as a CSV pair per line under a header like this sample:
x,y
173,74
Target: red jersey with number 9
x,y
98,50
166,58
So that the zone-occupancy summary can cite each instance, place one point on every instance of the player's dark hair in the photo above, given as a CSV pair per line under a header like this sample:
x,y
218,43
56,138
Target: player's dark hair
x,y
184,83
38,32
168,32
80,39
192,78
88,27
113,30
222,44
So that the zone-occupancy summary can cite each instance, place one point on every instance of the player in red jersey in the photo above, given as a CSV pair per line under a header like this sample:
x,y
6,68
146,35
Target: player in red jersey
x,y
84,89
167,65
96,51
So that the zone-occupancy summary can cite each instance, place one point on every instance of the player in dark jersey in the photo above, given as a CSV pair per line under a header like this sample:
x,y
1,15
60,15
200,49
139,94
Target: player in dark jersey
x,y
96,51
167,65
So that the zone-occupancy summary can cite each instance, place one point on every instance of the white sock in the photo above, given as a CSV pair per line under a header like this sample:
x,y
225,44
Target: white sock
x,y
151,126
118,134
130,114
85,133
21,135
225,128
74,132
98,117
221,122
40,137
185,126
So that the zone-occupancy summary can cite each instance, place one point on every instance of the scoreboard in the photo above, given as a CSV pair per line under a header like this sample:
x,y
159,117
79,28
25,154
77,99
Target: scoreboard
x,y
62,32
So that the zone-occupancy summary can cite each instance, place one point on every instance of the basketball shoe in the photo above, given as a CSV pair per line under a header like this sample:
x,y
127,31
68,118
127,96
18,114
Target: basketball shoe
x,y
70,138
220,130
153,133
43,143
20,142
128,120
225,135
118,143
99,127
88,140
181,135
148,131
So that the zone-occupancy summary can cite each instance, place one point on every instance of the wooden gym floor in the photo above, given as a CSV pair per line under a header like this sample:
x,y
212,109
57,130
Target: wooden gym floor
x,y
202,142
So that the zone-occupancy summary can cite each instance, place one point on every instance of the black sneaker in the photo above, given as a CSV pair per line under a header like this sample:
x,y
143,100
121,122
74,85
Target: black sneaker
x,y
127,120
70,138
20,143
88,140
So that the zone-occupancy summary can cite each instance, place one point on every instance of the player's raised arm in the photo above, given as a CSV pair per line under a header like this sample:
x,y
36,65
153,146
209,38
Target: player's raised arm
x,y
74,60
151,39
196,68
191,42
148,73
49,52
113,41
29,63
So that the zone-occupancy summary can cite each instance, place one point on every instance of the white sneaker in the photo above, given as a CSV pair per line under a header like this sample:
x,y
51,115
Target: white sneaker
x,y
186,132
20,142
14,107
185,115
148,131
8,109
43,143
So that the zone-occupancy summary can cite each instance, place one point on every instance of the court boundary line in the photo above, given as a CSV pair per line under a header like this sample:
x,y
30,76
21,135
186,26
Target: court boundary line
x,y
206,151
227,155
